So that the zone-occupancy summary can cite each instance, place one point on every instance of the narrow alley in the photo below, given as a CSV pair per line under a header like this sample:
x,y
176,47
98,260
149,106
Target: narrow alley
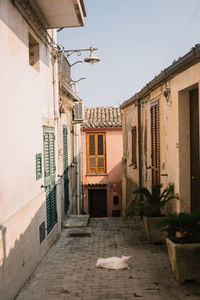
x,y
68,270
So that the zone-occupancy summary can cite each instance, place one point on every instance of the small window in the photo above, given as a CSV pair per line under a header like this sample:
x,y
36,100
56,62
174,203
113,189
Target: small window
x,y
34,55
116,200
134,147
38,166
42,232
116,213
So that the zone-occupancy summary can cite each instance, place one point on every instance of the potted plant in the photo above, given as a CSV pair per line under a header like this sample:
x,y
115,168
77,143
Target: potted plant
x,y
151,208
183,243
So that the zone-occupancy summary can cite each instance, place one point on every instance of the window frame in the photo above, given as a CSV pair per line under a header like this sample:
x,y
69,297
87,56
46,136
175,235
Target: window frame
x,y
97,170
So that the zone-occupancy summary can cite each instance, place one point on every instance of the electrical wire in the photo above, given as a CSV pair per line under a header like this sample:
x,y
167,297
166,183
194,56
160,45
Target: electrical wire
x,y
184,31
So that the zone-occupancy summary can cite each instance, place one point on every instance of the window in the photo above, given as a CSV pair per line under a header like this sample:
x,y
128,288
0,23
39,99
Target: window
x,y
116,200
134,147
34,55
96,158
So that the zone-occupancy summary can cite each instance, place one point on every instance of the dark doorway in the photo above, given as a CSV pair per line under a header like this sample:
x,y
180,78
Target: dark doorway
x,y
194,149
97,199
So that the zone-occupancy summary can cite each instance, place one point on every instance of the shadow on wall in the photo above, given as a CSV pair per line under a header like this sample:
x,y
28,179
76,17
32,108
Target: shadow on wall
x,y
18,263
114,176
10,16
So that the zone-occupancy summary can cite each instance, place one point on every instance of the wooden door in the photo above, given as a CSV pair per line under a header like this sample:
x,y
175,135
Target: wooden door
x,y
194,149
49,177
155,144
97,203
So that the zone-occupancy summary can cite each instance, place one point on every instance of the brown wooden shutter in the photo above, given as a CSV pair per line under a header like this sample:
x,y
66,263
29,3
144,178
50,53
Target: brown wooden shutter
x,y
155,144
100,153
134,147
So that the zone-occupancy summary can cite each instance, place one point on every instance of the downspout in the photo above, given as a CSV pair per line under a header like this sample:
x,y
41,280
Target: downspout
x,y
82,186
56,78
77,132
139,144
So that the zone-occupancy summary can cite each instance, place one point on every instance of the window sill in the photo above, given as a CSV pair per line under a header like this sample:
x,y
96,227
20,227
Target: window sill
x,y
96,175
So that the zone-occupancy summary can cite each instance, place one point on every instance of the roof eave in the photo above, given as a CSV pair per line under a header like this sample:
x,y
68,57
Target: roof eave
x,y
185,62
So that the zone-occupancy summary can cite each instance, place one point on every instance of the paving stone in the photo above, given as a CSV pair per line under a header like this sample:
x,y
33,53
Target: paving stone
x,y
68,271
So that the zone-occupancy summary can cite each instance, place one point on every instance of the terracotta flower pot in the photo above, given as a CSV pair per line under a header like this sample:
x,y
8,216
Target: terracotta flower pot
x,y
185,260
154,234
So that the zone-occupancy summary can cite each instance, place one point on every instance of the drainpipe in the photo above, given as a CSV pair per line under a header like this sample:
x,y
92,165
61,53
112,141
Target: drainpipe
x,y
77,132
55,75
139,144
77,135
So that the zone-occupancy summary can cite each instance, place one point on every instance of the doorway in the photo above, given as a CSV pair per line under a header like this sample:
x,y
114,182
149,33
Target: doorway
x,y
189,158
194,149
97,200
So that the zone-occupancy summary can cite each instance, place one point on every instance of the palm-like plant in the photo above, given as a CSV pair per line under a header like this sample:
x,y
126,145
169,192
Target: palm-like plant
x,y
182,227
152,201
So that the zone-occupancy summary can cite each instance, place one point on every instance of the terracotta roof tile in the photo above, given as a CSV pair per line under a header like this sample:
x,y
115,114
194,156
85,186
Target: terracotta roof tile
x,y
105,116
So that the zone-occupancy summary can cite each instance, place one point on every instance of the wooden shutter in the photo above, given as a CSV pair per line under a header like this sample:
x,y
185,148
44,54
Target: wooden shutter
x,y
65,167
134,147
155,144
96,153
49,177
38,166
100,168
65,150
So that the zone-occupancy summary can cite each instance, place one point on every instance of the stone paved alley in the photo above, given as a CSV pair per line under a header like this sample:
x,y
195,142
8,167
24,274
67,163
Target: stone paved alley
x,y
68,271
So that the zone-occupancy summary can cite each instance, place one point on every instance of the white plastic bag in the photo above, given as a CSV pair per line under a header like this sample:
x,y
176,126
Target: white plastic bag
x,y
114,263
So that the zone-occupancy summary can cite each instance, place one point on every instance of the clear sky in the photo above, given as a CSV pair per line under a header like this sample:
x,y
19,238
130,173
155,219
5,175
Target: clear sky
x,y
136,40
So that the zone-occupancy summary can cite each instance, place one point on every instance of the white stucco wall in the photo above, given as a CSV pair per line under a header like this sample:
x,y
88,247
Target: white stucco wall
x,y
27,105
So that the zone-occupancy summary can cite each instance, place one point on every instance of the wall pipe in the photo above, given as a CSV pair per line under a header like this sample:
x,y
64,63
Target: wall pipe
x,y
139,143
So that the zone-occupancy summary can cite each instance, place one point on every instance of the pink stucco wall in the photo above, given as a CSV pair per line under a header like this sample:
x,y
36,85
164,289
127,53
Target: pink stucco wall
x,y
112,180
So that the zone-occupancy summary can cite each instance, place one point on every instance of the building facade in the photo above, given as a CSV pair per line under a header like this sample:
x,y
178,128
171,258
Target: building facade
x,y
101,158
31,152
161,133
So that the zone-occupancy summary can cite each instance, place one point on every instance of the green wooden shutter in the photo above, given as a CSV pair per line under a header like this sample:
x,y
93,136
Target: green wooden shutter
x,y
65,150
38,166
65,167
49,177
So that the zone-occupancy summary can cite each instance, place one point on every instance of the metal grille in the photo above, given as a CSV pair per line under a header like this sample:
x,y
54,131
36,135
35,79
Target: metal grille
x,y
80,234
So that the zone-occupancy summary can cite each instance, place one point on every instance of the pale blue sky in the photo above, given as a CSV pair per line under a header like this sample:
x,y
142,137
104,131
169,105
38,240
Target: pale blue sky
x,y
136,40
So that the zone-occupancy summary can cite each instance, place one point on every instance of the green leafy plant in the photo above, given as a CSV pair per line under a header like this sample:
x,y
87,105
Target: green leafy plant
x,y
182,227
152,201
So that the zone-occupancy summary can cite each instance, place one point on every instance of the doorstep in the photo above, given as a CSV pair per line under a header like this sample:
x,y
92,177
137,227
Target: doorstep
x,y
76,221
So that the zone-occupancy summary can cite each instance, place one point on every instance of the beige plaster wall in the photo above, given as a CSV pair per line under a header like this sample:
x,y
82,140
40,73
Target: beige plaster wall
x,y
174,136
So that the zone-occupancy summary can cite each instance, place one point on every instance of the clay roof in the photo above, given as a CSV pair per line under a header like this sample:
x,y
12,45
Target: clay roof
x,y
105,116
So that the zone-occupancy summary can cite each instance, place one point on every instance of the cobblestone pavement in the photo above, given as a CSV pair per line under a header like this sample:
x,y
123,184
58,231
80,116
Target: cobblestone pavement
x,y
68,271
